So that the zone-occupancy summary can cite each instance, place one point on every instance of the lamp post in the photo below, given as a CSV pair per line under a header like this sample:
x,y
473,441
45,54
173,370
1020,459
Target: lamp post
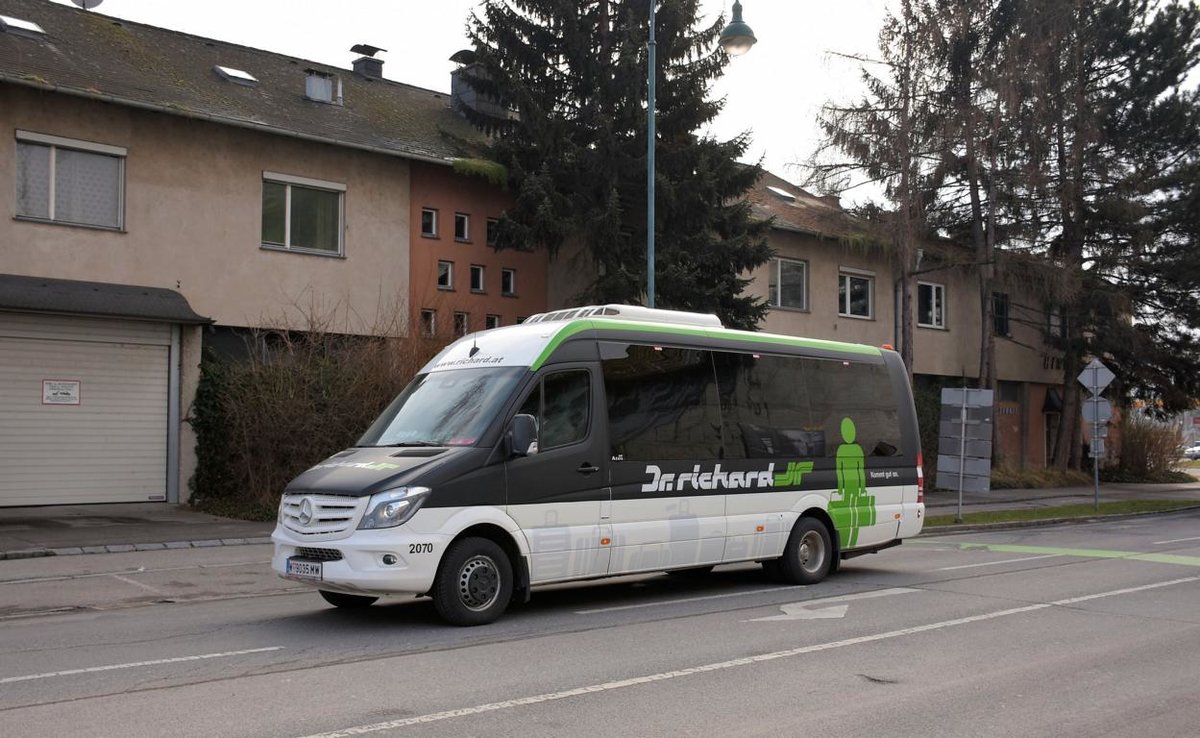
x,y
736,39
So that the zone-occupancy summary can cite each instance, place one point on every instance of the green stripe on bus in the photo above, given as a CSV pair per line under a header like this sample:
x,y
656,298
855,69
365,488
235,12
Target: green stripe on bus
x,y
678,330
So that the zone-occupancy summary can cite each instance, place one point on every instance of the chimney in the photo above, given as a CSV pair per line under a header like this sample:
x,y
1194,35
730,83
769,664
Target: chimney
x,y
832,201
367,65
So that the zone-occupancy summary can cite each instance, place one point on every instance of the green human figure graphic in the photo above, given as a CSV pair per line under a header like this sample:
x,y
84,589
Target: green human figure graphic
x,y
856,508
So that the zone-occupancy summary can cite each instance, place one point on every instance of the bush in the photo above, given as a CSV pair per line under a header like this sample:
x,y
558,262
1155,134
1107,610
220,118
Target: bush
x,y
294,400
1149,451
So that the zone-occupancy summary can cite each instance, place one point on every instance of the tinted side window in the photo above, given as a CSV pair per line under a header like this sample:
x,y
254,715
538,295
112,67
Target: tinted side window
x,y
788,407
662,403
562,404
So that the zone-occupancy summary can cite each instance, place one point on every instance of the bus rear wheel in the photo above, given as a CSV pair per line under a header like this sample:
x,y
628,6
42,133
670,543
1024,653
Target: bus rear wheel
x,y
808,556
474,583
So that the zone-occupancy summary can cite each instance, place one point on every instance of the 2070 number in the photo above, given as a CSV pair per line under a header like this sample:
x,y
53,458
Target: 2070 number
x,y
420,548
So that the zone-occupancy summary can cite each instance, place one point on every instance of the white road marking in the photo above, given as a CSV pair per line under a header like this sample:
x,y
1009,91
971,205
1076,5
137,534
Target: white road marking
x,y
659,603
1177,540
826,608
135,664
136,583
998,563
722,665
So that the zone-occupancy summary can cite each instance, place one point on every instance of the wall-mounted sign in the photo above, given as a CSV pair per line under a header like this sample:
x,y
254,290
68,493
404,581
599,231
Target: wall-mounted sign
x,y
60,391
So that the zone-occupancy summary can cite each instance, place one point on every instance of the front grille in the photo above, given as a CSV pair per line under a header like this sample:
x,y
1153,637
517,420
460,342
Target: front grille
x,y
331,514
319,554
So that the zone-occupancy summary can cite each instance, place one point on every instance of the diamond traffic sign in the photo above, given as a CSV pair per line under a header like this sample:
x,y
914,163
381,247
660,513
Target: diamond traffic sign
x,y
1095,376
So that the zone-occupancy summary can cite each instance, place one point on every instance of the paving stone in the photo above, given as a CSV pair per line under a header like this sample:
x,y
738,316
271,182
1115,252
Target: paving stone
x,y
70,551
95,550
206,544
149,546
178,544
118,548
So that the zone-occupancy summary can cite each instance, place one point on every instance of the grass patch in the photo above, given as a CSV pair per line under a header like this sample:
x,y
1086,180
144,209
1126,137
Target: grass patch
x,y
1124,507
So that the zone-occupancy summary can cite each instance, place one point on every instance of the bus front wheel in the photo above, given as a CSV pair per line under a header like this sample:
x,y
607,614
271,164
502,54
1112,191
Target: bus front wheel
x,y
474,583
808,556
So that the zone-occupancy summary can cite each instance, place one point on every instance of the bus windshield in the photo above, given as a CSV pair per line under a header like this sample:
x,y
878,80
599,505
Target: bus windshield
x,y
448,408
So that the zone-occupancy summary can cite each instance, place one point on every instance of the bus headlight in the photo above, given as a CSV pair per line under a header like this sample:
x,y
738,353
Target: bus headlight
x,y
393,507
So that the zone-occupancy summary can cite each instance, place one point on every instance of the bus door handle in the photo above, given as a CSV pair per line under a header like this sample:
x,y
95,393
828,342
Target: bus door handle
x,y
587,468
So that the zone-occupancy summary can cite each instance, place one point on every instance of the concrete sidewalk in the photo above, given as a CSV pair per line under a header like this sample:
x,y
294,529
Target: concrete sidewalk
x,y
27,532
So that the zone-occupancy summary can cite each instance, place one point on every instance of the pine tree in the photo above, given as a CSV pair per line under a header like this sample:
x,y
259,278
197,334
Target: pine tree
x,y
573,74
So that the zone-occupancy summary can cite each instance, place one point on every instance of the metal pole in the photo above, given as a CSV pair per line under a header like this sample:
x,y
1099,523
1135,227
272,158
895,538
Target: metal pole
x,y
1095,390
962,452
652,62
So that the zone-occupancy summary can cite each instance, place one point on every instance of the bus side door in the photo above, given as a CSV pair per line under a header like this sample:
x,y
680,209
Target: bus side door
x,y
558,493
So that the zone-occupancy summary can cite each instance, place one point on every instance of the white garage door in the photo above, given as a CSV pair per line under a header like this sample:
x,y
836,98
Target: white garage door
x,y
83,410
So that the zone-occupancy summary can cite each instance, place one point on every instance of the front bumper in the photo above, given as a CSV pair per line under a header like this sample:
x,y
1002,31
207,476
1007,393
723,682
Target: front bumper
x,y
359,567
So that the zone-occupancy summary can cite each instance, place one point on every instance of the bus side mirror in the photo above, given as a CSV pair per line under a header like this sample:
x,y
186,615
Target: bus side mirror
x,y
522,435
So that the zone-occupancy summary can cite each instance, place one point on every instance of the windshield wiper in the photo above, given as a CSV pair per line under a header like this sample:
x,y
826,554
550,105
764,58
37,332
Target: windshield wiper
x,y
411,444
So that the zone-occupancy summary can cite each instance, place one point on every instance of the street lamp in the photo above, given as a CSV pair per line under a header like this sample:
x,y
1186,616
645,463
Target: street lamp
x,y
736,39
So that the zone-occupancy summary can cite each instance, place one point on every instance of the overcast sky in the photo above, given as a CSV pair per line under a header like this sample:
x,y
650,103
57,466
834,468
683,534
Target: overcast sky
x,y
774,91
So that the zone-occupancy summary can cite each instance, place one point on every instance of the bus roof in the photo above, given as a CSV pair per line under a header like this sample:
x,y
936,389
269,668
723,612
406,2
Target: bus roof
x,y
532,344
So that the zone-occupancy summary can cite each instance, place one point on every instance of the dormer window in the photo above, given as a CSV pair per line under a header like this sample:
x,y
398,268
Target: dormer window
x,y
236,76
322,87
19,27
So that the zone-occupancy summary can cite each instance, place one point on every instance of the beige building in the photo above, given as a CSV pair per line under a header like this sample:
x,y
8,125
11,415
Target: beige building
x,y
826,281
161,192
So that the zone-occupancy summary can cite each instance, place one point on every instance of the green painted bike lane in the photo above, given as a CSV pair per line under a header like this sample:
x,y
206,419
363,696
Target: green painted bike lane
x,y
1088,553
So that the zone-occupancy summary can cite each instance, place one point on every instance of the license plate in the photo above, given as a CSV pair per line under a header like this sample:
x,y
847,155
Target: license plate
x,y
302,569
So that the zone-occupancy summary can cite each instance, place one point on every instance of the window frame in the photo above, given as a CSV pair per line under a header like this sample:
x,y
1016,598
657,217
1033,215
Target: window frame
x,y
465,318
481,270
465,220
844,305
433,231
511,274
539,388
492,232
428,327
1001,325
55,143
449,286
937,307
775,284
289,181
490,321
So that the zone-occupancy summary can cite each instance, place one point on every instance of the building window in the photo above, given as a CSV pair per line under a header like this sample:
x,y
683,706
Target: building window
x,y
429,222
66,181
789,284
428,322
462,323
319,86
491,321
1054,321
508,281
931,305
477,282
445,279
462,227
493,232
300,213
856,295
1000,313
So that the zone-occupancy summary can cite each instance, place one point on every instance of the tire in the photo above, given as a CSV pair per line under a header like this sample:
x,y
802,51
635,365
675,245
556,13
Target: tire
x,y
474,583
808,556
349,602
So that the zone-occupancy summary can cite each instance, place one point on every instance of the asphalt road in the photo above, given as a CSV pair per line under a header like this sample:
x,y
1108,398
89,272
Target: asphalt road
x,y
1081,630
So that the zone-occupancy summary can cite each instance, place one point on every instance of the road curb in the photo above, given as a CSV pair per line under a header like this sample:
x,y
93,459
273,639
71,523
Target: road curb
x,y
37,553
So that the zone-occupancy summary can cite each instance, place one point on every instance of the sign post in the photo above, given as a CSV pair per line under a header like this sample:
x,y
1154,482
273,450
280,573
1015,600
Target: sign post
x,y
966,427
1096,410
